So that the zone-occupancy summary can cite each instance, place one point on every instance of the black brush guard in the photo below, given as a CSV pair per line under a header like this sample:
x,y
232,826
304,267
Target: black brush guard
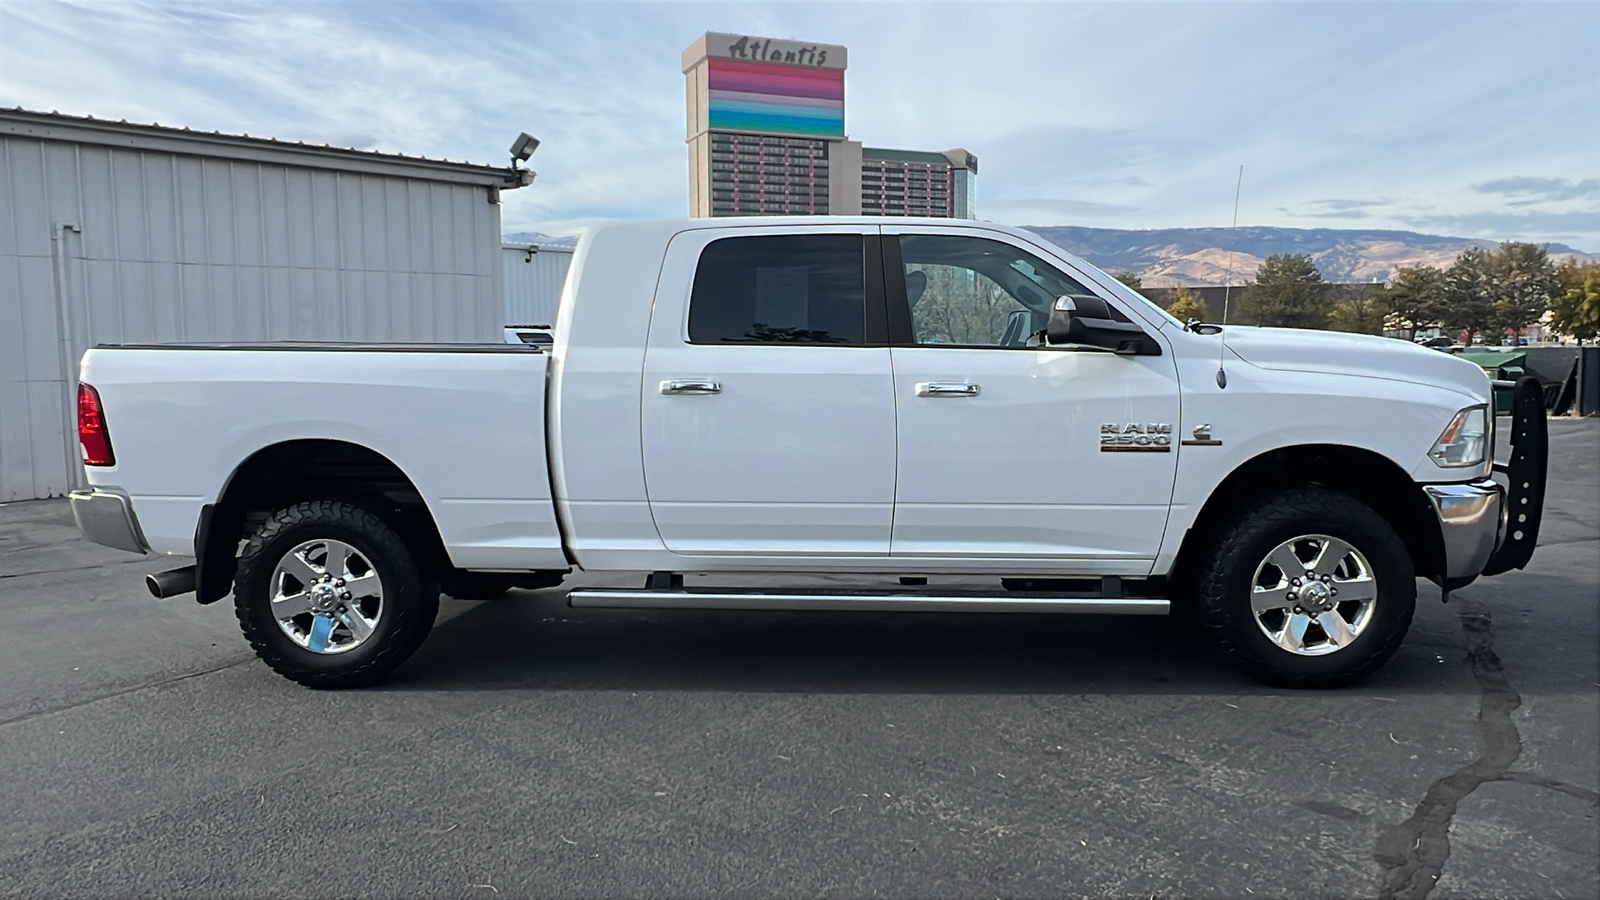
x,y
1525,474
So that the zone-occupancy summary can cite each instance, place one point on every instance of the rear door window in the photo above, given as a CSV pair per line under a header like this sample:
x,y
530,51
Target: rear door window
x,y
780,289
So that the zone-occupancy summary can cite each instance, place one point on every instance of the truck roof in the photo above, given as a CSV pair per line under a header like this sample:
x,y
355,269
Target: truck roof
x,y
769,221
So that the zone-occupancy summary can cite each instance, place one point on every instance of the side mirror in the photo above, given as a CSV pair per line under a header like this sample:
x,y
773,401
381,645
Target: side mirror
x,y
1085,319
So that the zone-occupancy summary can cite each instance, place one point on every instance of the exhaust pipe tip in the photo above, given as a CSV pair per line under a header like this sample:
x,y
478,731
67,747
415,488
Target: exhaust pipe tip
x,y
171,583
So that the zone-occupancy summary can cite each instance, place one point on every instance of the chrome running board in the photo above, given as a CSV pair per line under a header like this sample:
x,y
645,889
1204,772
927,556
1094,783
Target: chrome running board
x,y
954,601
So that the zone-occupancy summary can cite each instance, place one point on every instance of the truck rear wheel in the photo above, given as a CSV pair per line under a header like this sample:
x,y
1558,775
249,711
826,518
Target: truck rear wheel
x,y
1307,588
329,596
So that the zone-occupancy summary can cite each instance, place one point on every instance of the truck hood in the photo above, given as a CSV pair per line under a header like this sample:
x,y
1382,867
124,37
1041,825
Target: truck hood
x,y
1302,350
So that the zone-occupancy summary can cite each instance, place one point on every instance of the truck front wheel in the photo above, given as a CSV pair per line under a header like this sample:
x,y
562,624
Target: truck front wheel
x,y
1307,588
329,596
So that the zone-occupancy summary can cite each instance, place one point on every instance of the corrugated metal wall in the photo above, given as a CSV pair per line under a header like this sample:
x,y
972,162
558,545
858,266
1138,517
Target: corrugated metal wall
x,y
533,282
105,245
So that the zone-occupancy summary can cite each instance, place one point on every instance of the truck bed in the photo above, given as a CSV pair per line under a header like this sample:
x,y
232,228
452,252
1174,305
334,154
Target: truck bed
x,y
463,422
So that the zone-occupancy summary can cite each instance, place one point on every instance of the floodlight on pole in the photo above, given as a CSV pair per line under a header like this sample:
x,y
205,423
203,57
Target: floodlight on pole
x,y
522,148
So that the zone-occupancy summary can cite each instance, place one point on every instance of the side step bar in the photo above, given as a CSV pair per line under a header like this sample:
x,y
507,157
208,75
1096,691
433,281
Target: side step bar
x,y
869,601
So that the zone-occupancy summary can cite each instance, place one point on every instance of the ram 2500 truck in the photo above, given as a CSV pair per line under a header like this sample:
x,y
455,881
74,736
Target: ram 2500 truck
x,y
955,415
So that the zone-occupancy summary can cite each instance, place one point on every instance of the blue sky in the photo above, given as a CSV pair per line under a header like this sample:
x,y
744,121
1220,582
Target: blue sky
x,y
1469,119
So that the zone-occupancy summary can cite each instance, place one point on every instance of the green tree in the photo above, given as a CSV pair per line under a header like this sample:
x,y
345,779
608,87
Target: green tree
x,y
1186,306
1288,292
1361,314
1414,299
1131,279
1575,312
1524,283
1467,303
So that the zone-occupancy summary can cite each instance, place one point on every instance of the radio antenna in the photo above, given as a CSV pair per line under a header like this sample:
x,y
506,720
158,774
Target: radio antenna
x,y
1227,286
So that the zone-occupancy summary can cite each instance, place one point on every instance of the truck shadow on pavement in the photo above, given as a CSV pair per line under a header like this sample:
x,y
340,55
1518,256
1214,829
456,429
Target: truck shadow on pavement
x,y
534,640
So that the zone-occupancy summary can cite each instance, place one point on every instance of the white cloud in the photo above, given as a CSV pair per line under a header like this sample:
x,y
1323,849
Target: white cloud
x,y
1127,115
1541,189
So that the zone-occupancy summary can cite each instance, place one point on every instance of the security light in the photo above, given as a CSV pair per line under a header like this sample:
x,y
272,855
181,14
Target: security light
x,y
523,147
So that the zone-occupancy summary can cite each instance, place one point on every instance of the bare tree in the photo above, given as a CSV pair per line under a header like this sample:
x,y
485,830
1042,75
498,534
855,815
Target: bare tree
x,y
960,306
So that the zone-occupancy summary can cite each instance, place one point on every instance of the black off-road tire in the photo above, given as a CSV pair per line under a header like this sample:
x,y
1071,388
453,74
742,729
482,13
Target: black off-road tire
x,y
1222,595
409,604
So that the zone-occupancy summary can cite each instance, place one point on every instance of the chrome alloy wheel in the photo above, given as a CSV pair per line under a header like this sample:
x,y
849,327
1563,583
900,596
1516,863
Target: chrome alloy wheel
x,y
326,596
1313,595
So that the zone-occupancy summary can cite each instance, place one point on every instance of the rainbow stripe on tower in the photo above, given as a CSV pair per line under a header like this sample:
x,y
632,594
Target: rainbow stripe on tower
x,y
739,84
774,98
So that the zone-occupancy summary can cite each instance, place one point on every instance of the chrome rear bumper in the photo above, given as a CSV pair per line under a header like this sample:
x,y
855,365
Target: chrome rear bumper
x,y
1471,520
107,518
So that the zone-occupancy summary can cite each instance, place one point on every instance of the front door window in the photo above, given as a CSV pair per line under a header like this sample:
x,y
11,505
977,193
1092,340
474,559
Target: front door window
x,y
974,292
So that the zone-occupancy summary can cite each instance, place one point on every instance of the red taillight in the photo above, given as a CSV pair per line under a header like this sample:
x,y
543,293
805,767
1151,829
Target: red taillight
x,y
92,434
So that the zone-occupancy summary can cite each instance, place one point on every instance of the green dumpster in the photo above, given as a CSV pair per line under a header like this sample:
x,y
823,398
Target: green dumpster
x,y
1499,365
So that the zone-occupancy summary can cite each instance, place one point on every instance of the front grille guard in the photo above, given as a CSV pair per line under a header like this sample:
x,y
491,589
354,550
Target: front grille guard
x,y
1525,473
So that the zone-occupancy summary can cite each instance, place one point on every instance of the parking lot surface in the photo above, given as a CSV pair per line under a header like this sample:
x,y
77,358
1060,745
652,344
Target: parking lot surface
x,y
530,749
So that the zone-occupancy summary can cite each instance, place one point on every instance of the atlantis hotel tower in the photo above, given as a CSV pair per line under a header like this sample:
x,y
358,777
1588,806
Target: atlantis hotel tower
x,y
766,137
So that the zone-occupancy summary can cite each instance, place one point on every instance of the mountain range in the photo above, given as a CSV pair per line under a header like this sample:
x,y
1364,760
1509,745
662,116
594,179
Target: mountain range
x,y
1208,257
1211,257
565,242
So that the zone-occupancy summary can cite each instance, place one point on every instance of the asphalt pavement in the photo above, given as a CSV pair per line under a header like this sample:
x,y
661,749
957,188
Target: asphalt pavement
x,y
531,749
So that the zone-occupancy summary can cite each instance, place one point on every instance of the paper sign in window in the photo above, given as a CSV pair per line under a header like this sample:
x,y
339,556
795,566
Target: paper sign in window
x,y
783,296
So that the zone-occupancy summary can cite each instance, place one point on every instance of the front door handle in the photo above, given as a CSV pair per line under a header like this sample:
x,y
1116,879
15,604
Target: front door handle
x,y
946,389
691,387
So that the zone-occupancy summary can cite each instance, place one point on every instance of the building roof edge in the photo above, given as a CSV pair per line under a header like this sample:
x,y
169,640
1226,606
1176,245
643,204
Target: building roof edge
x,y
90,130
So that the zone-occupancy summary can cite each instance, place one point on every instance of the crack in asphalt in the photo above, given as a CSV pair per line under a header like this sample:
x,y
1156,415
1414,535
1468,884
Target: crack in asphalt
x,y
89,701
1414,852
1582,793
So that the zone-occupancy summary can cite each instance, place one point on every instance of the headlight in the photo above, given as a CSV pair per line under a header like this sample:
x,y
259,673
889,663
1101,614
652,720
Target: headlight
x,y
1465,441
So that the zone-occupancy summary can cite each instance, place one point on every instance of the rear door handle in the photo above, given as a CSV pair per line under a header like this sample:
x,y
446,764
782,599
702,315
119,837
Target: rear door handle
x,y
946,389
691,387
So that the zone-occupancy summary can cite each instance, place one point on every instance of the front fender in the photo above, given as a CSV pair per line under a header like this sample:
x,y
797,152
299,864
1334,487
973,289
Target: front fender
x,y
1261,411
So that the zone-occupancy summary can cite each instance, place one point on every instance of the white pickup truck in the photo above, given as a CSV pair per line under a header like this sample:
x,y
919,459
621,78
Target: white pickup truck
x,y
956,415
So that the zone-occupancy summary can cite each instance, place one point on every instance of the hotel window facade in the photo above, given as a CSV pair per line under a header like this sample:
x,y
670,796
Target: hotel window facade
x,y
754,175
909,183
